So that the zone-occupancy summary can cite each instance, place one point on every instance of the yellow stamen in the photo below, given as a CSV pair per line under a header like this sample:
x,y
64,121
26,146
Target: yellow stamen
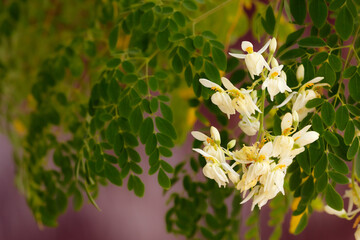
x,y
296,138
261,158
215,89
309,85
249,49
274,74
356,222
209,140
287,131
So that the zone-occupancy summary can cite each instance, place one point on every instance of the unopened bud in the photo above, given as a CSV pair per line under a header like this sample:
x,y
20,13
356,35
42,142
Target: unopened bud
x,y
300,73
231,144
273,45
215,135
295,116
274,62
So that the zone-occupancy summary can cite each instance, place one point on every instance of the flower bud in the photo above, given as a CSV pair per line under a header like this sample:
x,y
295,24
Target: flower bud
x,y
300,73
295,116
273,45
231,144
215,135
274,62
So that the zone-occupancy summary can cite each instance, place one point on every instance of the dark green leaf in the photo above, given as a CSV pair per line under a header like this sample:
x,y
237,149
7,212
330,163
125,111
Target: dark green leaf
x,y
188,75
177,64
328,73
165,127
335,62
353,149
134,155
302,224
112,63
113,37
317,124
118,144
154,104
146,129
342,117
219,58
333,199
357,165
320,166
147,20
135,168
111,131
314,102
166,166
136,119
311,42
319,58
139,187
298,10
130,78
179,19
150,144
338,164
353,110
113,174
336,4
198,41
164,140
110,158
321,182
269,21
318,12
338,177
354,87
154,158
307,189
212,73
166,112
190,5
349,72
130,139
128,66
349,133
344,23
162,40
331,138
293,53
163,179
328,114
165,152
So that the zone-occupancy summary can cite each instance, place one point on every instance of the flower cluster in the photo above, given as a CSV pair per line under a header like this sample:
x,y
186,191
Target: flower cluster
x,y
258,171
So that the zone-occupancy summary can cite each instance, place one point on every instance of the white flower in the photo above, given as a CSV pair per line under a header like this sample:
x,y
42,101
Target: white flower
x,y
331,211
276,82
303,137
254,61
300,73
213,168
234,176
250,126
283,146
220,98
242,100
273,45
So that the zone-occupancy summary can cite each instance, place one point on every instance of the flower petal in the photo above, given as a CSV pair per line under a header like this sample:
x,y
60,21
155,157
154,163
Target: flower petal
x,y
237,55
199,136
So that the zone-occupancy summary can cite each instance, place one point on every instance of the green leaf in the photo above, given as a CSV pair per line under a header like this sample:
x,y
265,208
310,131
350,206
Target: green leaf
x,y
142,87
328,73
328,114
154,158
349,133
304,162
135,168
302,224
212,73
338,177
317,124
177,64
314,102
335,62
311,42
349,72
293,53
353,149
163,179
164,140
111,131
166,112
354,87
198,41
134,155
338,164
298,10
190,5
188,75
331,138
341,118
307,189
113,63
219,58
153,83
130,78
110,158
128,66
357,165
320,166
269,21
165,127
130,139
353,110
319,58
321,182
113,37
295,180
139,187
118,144
136,119
344,23
150,144
166,166
179,19
113,174
162,39
165,152
336,4
154,104
333,199
147,20
146,129
318,12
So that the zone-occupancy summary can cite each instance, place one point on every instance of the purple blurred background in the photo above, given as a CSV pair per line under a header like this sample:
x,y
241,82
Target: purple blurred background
x,y
125,216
